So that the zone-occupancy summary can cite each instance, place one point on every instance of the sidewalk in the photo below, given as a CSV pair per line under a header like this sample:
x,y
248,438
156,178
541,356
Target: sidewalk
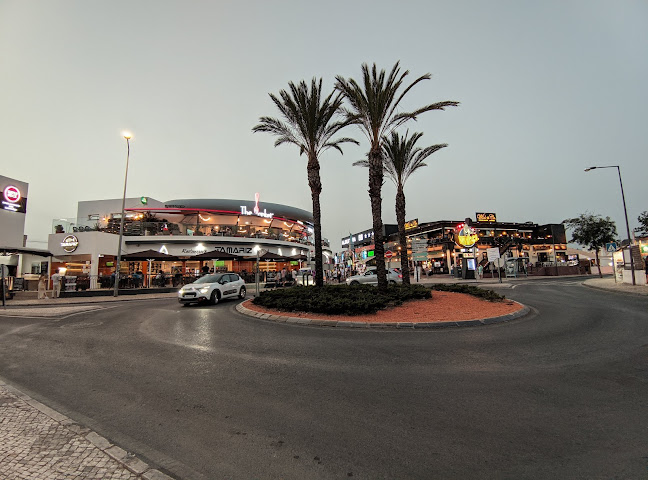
x,y
39,443
608,283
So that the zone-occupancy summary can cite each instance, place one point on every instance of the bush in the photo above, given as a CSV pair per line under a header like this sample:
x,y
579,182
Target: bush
x,y
340,299
482,293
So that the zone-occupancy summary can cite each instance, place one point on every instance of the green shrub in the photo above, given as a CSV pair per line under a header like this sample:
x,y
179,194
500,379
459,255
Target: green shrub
x,y
482,293
340,299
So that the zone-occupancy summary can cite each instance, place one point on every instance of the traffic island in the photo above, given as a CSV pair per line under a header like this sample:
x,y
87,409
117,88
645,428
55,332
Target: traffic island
x,y
443,310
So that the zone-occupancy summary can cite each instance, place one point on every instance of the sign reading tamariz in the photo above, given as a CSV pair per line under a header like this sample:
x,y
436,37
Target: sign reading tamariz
x,y
13,200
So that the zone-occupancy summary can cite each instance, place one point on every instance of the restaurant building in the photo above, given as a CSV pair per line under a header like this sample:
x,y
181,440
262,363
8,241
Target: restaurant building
x,y
441,245
182,229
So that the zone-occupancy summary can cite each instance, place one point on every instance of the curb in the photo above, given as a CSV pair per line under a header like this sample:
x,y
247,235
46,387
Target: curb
x,y
384,326
127,460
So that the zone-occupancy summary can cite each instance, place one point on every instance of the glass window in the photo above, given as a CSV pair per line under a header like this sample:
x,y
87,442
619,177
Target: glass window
x,y
210,278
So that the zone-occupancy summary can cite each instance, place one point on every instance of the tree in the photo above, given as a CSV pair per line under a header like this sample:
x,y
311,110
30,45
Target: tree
x,y
310,123
592,231
643,223
401,158
374,107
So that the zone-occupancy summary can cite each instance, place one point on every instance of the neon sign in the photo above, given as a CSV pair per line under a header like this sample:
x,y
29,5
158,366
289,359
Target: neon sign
x,y
70,243
466,235
13,201
256,210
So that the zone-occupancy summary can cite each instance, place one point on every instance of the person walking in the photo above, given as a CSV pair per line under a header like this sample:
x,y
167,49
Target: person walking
x,y
42,286
56,284
480,271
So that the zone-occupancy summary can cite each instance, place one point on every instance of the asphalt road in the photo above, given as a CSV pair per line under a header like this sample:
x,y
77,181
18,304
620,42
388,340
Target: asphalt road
x,y
204,392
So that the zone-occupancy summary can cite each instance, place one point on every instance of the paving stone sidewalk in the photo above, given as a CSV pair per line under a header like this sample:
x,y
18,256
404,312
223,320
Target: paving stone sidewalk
x,y
38,443
608,283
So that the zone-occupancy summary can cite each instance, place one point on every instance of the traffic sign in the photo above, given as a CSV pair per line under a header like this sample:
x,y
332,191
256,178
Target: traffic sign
x,y
389,254
493,254
611,247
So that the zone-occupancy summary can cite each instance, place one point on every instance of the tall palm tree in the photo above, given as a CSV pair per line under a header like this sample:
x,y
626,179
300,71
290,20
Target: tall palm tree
x,y
310,122
401,158
374,107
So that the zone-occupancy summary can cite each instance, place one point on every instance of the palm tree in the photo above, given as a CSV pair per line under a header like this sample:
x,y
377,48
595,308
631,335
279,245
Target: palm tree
x,y
374,105
309,122
401,158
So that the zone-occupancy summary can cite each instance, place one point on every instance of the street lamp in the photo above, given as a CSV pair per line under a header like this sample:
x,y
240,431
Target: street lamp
x,y
127,136
625,212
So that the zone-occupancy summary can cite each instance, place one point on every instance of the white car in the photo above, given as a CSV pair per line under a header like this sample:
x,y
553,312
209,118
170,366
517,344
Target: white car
x,y
213,288
371,278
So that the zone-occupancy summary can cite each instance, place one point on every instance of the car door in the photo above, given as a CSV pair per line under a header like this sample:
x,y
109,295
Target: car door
x,y
229,285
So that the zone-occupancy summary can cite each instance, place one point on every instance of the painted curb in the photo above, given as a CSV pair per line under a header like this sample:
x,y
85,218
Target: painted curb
x,y
387,326
128,460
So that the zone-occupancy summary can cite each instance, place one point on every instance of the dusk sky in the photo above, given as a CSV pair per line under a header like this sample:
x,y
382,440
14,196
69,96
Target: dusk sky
x,y
547,89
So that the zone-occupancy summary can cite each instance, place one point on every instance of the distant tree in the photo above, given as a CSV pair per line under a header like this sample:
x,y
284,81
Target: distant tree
x,y
375,105
310,121
401,158
593,232
643,223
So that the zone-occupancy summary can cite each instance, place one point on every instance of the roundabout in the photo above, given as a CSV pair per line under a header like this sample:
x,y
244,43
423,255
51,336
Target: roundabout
x,y
444,309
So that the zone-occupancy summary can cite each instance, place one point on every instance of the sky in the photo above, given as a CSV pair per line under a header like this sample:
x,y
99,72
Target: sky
x,y
547,89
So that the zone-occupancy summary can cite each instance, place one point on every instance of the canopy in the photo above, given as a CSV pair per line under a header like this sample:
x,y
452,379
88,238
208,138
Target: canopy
x,y
149,255
271,257
298,257
215,255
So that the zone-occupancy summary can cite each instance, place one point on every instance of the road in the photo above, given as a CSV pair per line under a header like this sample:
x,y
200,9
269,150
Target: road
x,y
206,393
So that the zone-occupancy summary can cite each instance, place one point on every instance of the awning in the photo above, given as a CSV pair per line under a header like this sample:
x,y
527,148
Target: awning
x,y
215,255
149,255
30,251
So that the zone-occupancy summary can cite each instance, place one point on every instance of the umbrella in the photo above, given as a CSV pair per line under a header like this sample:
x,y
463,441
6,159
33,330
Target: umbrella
x,y
270,257
298,257
215,255
149,255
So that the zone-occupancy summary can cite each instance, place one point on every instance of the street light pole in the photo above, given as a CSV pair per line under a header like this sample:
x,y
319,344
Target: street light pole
x,y
625,212
127,136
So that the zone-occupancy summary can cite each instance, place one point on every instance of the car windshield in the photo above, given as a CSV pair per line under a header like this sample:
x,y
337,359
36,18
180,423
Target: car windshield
x,y
209,279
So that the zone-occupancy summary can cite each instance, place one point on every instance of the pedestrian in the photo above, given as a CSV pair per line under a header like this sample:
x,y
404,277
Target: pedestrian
x,y
56,284
480,271
42,286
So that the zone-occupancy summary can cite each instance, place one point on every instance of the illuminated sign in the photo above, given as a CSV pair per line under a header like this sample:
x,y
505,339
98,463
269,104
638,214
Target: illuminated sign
x,y
144,200
256,210
486,217
13,201
411,224
70,243
466,236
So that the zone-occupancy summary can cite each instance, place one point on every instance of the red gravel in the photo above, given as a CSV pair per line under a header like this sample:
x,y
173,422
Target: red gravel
x,y
442,307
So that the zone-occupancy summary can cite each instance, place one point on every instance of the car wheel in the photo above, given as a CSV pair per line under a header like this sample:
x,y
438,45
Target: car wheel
x,y
215,297
354,282
242,293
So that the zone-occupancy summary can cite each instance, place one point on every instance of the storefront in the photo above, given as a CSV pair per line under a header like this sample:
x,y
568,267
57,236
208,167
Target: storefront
x,y
184,230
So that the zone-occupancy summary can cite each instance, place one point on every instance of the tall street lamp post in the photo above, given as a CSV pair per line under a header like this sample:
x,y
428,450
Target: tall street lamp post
x,y
127,136
625,212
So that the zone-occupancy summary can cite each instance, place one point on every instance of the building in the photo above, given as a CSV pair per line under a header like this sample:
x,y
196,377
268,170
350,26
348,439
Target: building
x,y
22,263
437,244
183,228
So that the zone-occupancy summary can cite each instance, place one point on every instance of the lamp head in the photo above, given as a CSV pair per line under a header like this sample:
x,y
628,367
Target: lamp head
x,y
127,135
590,168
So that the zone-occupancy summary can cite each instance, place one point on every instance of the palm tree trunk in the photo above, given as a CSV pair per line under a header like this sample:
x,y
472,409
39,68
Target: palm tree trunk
x,y
598,263
315,184
400,219
375,190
